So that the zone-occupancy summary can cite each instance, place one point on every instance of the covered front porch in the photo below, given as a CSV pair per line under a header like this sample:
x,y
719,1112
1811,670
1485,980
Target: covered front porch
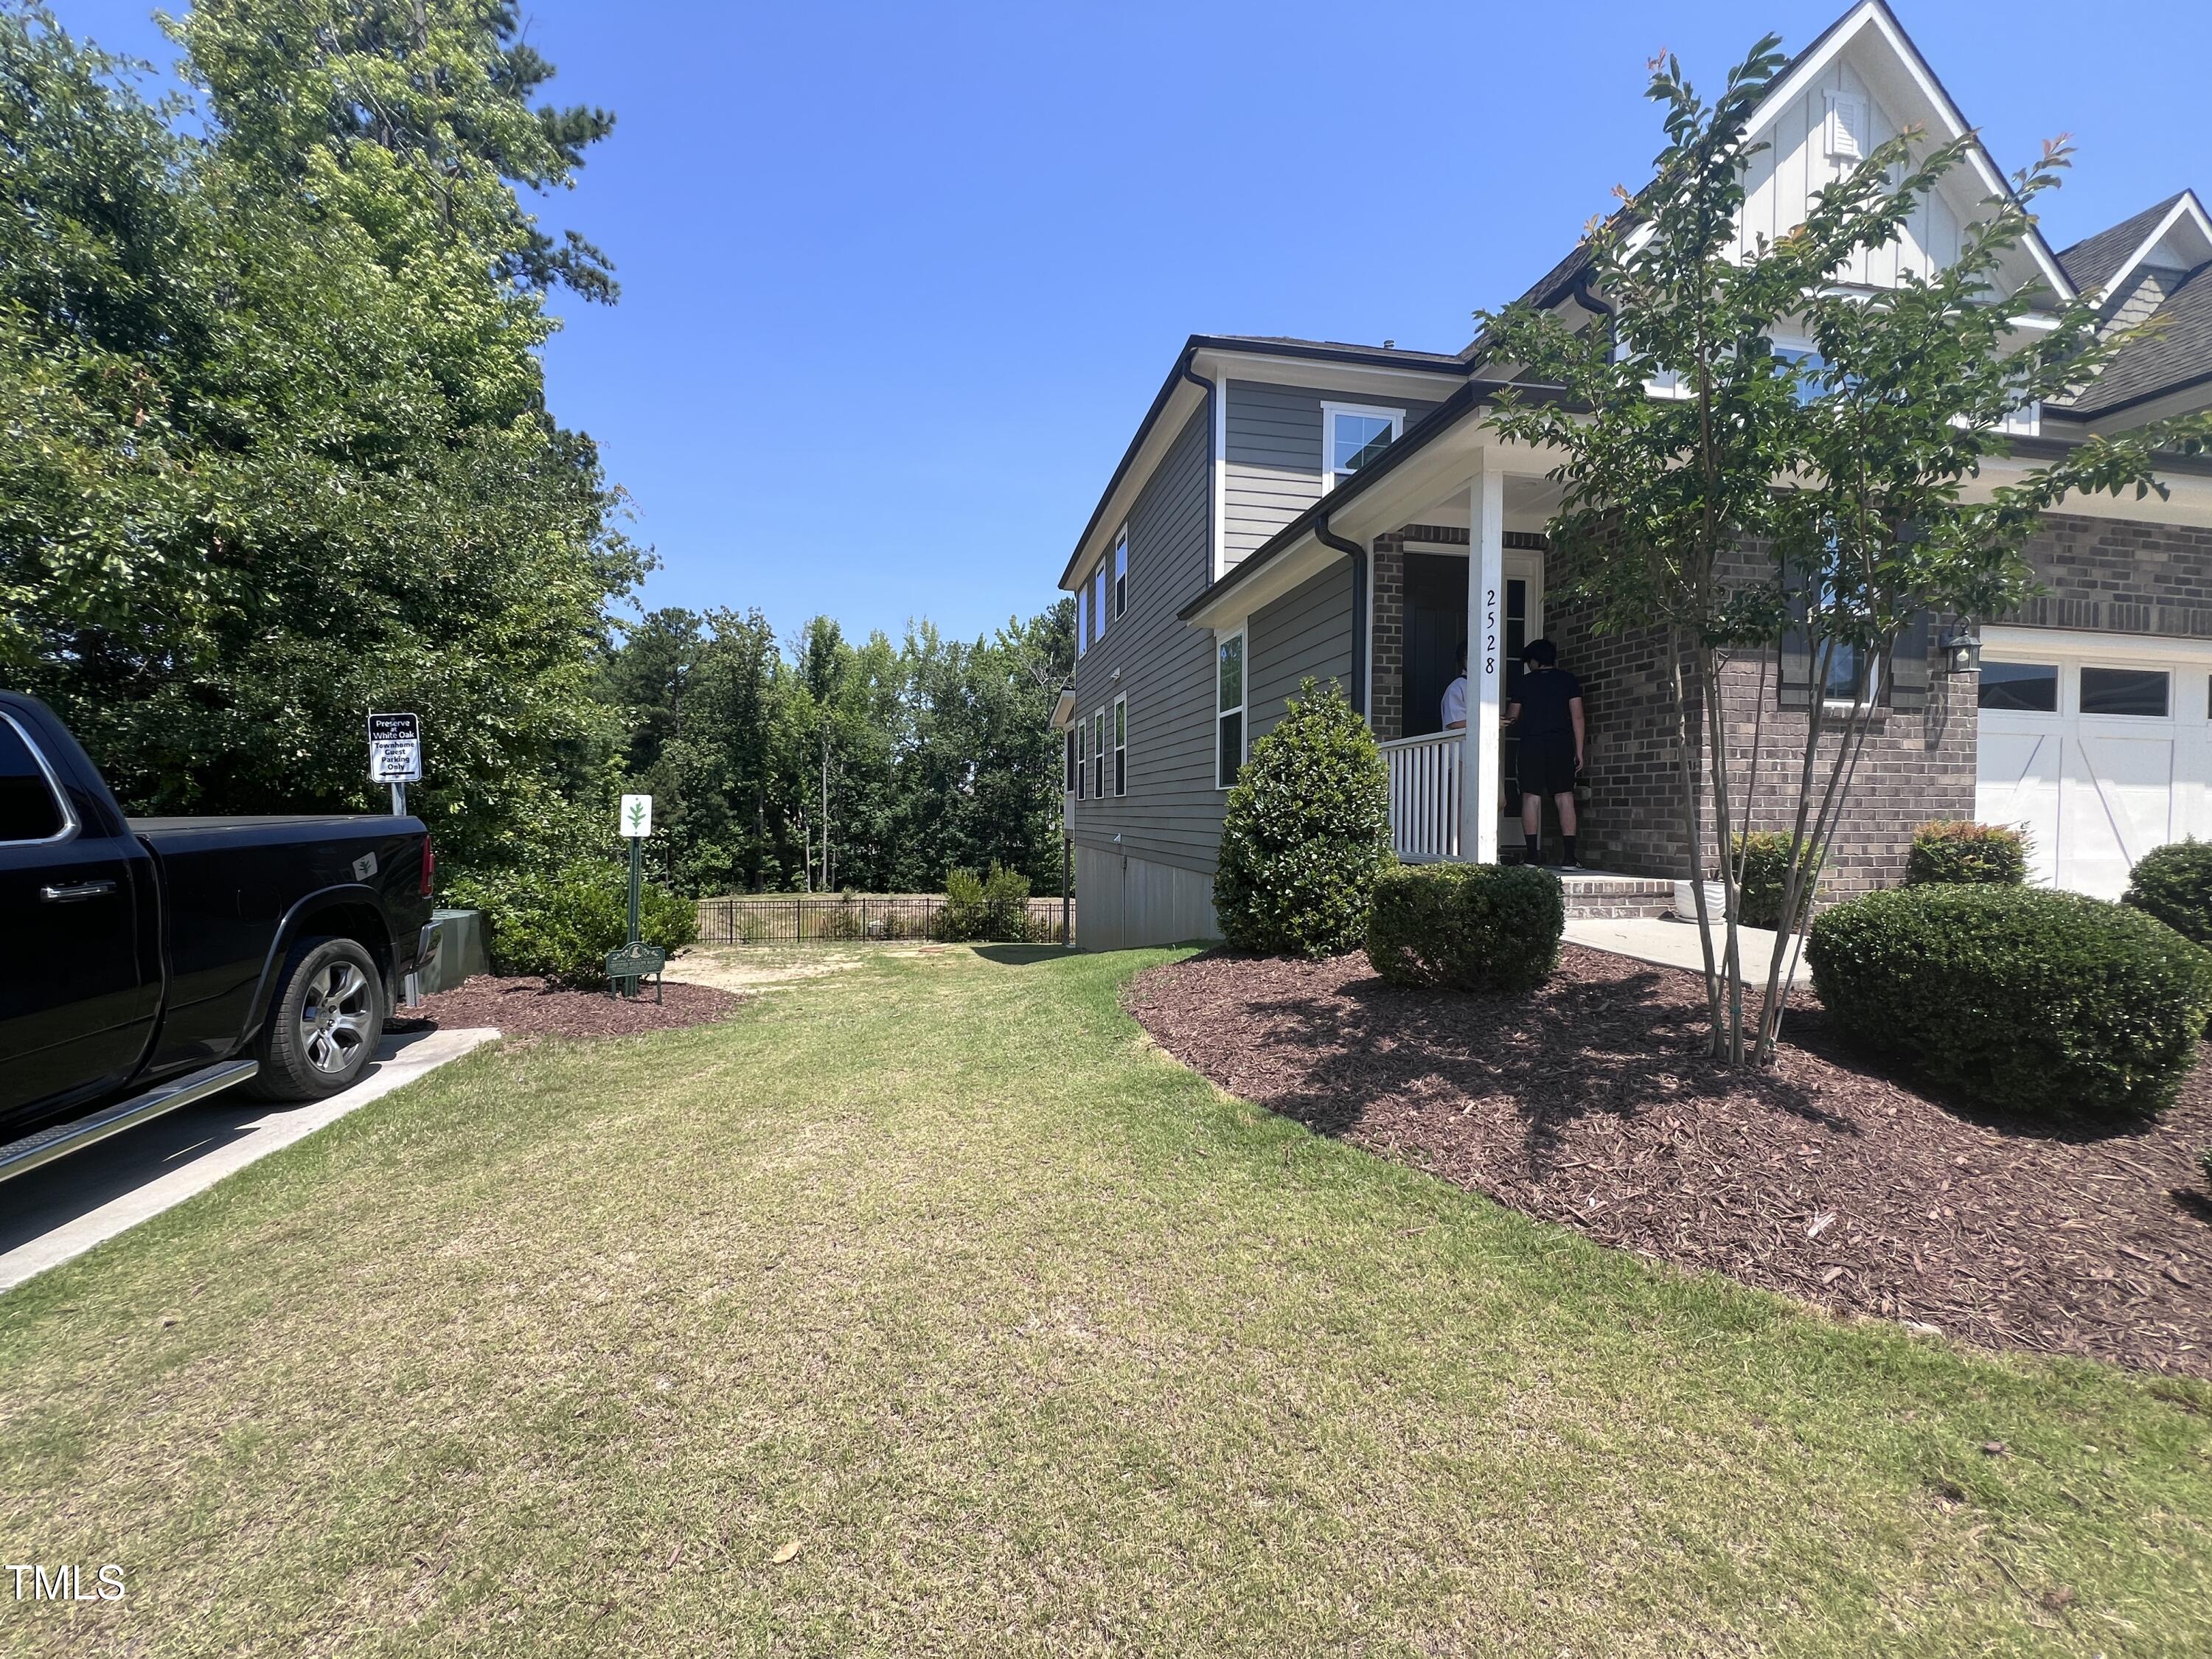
x,y
1443,534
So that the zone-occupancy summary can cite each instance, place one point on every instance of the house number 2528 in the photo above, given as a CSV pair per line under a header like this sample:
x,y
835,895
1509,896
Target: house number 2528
x,y
1490,631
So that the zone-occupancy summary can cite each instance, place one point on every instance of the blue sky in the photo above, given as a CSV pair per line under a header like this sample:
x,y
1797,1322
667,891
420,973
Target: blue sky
x,y
899,280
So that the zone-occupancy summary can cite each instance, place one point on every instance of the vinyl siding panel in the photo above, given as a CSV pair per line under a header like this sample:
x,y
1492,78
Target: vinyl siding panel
x,y
1171,814
1306,632
1274,456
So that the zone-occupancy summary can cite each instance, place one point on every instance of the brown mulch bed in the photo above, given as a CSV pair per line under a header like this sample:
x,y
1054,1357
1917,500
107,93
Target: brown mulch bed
x,y
537,1007
1590,1102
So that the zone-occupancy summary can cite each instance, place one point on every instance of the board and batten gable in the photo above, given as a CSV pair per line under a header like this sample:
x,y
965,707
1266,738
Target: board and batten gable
x,y
1273,446
1796,164
1172,813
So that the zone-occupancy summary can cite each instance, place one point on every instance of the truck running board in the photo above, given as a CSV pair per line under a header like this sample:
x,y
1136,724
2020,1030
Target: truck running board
x,y
62,1139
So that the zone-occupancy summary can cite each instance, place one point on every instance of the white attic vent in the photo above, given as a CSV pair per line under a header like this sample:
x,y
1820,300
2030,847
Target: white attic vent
x,y
1846,127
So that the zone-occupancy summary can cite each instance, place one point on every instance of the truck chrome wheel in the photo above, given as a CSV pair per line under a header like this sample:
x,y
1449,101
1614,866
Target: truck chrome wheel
x,y
334,1016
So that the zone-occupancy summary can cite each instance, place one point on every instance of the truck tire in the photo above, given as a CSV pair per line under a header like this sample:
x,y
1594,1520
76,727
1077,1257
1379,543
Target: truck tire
x,y
323,1023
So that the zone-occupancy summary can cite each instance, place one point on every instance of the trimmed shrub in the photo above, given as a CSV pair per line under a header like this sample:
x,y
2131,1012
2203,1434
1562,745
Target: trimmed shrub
x,y
2175,884
561,923
995,906
1765,856
1466,927
1953,850
1307,832
2017,997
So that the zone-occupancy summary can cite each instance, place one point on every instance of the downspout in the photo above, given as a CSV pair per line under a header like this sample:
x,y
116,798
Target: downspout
x,y
1212,461
1357,555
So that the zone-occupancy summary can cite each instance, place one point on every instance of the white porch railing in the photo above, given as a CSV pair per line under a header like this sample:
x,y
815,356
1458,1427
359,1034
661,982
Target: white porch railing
x,y
1425,795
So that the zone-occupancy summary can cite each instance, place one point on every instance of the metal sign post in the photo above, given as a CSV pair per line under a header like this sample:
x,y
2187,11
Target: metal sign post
x,y
627,966
395,754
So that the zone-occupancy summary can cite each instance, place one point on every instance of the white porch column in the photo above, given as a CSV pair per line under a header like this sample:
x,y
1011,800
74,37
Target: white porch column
x,y
1479,773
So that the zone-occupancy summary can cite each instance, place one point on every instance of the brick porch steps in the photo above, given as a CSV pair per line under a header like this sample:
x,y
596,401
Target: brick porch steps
x,y
1593,894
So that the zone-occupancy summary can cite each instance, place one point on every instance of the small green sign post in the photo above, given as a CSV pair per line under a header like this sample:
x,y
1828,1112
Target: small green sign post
x,y
627,966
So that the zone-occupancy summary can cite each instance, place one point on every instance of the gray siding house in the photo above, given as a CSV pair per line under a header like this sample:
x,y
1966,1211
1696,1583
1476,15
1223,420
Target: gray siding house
x,y
1290,508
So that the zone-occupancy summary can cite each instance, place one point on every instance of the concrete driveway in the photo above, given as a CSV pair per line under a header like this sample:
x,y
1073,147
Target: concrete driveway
x,y
66,1207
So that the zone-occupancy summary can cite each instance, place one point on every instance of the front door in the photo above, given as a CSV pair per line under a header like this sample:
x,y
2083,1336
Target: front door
x,y
79,993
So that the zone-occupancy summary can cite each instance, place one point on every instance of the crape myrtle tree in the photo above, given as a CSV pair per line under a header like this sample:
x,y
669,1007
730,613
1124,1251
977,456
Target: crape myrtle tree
x,y
278,451
1719,490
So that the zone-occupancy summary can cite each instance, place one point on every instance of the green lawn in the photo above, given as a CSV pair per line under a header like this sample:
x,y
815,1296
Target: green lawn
x,y
1031,1342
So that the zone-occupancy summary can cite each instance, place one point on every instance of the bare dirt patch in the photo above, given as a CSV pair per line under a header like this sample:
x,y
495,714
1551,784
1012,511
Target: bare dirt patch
x,y
1590,1103
536,1008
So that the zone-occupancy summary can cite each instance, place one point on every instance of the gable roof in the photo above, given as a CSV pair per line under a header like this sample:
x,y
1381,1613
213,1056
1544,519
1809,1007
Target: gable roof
x,y
2108,259
1789,83
2176,353
2095,260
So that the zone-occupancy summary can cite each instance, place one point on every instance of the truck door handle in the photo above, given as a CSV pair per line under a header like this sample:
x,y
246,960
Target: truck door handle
x,y
75,891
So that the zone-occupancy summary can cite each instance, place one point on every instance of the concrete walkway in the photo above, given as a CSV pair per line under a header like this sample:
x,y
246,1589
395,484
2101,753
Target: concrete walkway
x,y
62,1210
1666,943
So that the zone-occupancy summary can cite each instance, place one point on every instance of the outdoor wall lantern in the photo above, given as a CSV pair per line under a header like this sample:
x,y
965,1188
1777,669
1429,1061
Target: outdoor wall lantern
x,y
1962,651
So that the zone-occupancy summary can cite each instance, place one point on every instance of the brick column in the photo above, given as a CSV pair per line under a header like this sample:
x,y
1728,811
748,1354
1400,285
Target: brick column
x,y
1386,665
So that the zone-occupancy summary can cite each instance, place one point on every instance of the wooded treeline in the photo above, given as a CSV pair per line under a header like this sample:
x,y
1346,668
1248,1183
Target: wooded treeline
x,y
275,452
835,765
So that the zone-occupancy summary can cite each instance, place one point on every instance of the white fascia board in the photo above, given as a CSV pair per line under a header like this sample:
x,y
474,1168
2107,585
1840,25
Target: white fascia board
x,y
2025,639
1904,58
1362,379
2188,500
1285,572
1063,709
2187,214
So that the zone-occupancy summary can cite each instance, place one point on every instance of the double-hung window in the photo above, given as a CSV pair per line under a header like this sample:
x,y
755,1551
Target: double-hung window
x,y
1228,708
1082,771
1098,754
1072,767
1854,672
1082,619
1120,745
1354,437
1122,573
1099,600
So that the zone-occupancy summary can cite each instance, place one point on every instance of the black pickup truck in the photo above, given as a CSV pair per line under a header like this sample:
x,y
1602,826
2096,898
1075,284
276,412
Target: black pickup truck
x,y
148,963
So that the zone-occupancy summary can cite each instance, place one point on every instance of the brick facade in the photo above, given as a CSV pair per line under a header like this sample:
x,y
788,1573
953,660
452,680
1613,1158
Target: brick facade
x,y
2106,574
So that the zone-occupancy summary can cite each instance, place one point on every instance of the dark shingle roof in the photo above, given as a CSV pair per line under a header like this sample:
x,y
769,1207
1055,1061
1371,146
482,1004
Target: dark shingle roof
x,y
2097,259
2176,350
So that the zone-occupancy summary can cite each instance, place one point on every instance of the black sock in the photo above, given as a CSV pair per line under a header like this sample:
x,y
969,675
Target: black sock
x,y
1568,841
1535,840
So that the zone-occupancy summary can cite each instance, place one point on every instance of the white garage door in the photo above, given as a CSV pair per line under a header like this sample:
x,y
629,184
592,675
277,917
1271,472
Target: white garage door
x,y
2097,745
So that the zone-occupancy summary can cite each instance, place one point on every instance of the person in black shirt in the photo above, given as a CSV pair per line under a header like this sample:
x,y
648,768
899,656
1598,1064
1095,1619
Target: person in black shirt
x,y
1546,715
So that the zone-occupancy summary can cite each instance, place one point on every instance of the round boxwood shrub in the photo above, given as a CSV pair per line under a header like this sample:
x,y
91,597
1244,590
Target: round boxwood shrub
x,y
1965,853
2175,884
561,923
1307,832
2017,997
1466,927
1764,856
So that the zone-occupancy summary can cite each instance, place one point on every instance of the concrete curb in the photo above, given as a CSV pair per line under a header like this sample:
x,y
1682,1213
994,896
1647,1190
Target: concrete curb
x,y
72,1193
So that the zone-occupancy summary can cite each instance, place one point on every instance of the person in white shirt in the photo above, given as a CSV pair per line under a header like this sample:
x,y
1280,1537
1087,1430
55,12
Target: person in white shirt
x,y
1454,709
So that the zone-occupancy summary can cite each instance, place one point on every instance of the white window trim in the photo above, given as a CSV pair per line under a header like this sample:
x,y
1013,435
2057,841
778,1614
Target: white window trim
x,y
1082,760
1329,411
1241,634
1082,616
1098,752
1100,582
1117,574
1120,732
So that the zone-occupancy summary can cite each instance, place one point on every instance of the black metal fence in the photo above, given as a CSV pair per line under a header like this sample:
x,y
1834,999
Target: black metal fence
x,y
831,918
